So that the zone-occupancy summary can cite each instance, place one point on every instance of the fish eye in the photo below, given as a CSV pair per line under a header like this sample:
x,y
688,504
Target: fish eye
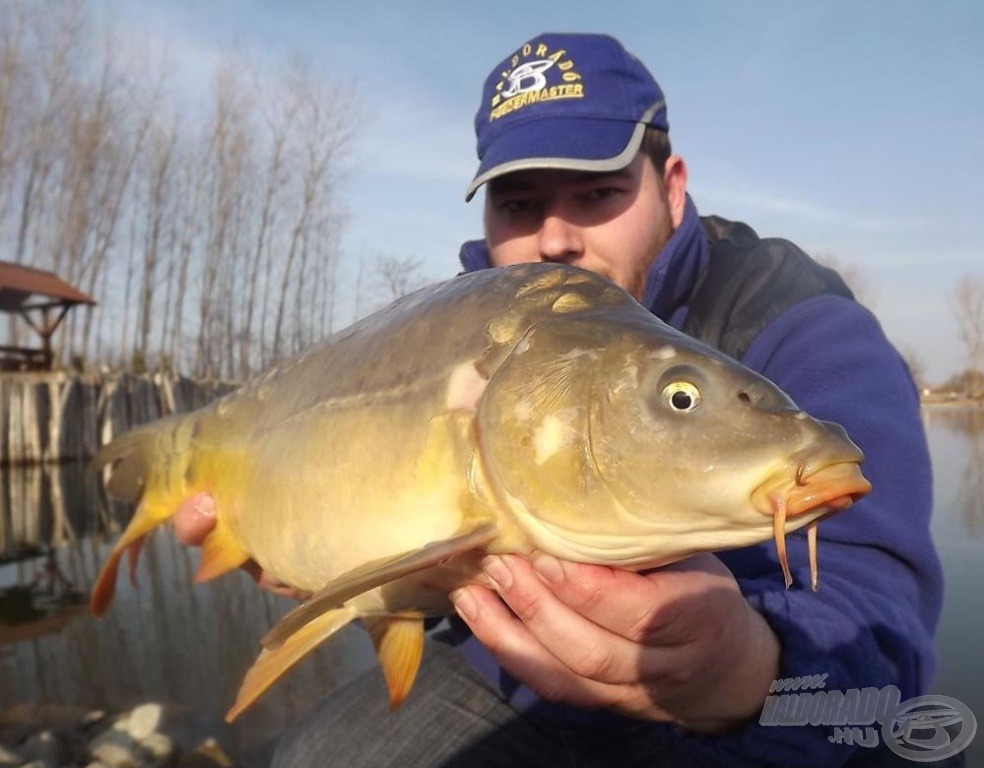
x,y
681,396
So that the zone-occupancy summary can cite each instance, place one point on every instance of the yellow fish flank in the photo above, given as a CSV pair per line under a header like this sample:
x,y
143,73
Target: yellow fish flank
x,y
531,407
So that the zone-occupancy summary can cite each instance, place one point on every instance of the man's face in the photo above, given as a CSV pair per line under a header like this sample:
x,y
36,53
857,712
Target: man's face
x,y
614,224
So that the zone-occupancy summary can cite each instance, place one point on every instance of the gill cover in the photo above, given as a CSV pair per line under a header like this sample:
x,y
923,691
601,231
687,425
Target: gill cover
x,y
536,439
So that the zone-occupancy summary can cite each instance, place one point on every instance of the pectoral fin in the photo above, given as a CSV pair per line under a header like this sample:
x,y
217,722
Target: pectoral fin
x,y
271,665
399,645
373,574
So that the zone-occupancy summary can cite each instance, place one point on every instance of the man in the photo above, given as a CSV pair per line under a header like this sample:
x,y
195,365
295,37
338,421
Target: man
x,y
586,665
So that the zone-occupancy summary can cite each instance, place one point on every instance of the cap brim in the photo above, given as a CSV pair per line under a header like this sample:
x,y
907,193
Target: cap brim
x,y
575,144
596,145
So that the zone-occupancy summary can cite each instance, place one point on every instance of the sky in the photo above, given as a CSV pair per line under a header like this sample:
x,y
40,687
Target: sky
x,y
854,129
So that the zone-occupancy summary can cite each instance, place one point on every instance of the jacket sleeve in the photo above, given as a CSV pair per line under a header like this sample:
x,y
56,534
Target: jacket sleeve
x,y
872,621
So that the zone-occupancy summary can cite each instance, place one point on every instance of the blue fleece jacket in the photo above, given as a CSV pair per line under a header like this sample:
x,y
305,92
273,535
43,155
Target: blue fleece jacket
x,y
872,622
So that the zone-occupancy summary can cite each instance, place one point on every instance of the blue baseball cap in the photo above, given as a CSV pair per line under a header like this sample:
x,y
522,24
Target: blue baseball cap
x,y
569,101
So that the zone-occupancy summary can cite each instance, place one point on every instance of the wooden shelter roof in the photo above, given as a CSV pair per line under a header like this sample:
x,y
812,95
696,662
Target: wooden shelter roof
x,y
19,283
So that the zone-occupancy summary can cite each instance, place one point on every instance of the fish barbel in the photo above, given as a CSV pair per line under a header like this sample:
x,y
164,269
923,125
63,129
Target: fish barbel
x,y
531,407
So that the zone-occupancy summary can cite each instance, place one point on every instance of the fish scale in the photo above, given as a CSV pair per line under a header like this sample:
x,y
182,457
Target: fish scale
x,y
530,407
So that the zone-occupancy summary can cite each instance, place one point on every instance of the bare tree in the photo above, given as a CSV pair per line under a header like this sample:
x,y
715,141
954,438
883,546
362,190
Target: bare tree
x,y
112,194
171,248
162,147
326,130
398,276
212,244
917,366
327,239
853,274
232,139
13,75
278,115
968,309
191,189
64,34
115,128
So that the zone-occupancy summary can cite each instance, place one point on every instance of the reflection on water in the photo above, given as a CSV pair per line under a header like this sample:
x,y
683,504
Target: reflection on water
x,y
170,640
956,444
189,645
45,604
968,424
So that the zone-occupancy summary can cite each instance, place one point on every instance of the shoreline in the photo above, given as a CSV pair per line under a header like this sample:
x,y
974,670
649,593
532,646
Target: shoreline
x,y
946,402
149,735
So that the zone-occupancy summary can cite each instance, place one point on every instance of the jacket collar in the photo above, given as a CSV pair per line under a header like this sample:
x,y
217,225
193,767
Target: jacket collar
x,y
671,276
674,273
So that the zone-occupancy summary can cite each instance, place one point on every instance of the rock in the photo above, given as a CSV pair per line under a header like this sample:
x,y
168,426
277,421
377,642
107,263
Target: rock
x,y
8,758
92,717
45,748
33,736
208,754
115,748
115,755
143,720
159,747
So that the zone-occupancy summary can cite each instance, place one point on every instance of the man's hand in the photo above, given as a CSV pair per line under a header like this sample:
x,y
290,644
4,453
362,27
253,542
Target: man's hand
x,y
679,644
195,519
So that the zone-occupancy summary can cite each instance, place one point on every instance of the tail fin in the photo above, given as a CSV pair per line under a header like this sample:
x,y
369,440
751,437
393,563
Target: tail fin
x,y
149,464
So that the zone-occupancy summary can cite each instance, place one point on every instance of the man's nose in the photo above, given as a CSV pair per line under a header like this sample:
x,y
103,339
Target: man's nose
x,y
560,240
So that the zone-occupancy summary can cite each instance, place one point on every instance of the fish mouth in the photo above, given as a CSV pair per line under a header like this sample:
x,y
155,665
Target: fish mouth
x,y
817,490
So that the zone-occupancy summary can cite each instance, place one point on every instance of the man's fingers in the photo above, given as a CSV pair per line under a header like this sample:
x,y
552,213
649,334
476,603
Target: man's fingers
x,y
523,656
622,602
640,608
581,645
195,519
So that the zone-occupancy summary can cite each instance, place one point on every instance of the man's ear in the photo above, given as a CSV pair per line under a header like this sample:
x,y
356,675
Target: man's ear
x,y
675,181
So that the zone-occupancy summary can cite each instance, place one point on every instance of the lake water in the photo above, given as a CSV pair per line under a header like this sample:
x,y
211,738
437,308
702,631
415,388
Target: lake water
x,y
189,645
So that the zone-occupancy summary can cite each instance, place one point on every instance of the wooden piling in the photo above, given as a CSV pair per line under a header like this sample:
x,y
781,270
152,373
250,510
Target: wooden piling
x,y
54,417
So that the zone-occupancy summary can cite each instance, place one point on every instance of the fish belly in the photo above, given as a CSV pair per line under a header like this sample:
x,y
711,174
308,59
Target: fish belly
x,y
336,488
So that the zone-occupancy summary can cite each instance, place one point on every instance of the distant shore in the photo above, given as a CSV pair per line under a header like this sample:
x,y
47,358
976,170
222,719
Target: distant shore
x,y
951,400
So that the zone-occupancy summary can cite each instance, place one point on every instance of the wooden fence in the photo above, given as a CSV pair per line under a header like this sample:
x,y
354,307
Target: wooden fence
x,y
53,417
